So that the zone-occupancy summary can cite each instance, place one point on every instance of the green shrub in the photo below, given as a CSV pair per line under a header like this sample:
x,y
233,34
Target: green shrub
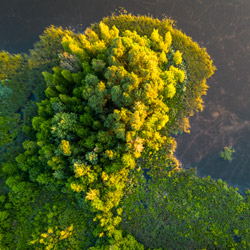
x,y
227,153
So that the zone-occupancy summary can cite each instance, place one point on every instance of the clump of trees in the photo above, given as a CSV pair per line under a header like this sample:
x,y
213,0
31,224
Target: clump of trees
x,y
108,101
21,86
100,114
183,211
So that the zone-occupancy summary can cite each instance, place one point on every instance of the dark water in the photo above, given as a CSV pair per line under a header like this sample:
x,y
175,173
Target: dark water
x,y
223,27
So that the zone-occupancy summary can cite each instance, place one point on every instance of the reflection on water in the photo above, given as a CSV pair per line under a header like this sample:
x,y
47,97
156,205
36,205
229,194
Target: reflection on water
x,y
223,27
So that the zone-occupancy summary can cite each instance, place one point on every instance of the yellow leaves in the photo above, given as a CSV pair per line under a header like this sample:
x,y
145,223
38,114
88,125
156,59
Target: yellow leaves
x,y
140,106
116,114
92,36
67,232
102,222
101,86
156,136
177,57
85,43
135,81
117,48
44,235
105,176
91,43
155,35
133,37
138,117
152,121
81,169
168,77
110,154
114,32
117,220
186,125
162,122
65,147
75,49
125,115
92,194
33,242
136,122
137,154
130,135
113,179
177,74
105,34
41,241
98,204
108,34
63,235
168,39
163,57
110,73
119,211
77,187
70,45
51,239
170,91
147,134
150,94
98,47
128,161
199,104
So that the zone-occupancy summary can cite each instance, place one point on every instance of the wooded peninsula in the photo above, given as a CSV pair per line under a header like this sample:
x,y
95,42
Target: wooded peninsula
x,y
87,140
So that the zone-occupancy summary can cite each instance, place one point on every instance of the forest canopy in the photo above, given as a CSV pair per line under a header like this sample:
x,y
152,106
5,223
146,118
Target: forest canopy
x,y
87,146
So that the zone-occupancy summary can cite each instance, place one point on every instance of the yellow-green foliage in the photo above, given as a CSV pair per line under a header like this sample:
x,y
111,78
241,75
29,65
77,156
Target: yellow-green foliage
x,y
47,48
198,63
120,90
126,88
65,147
22,84
9,64
177,57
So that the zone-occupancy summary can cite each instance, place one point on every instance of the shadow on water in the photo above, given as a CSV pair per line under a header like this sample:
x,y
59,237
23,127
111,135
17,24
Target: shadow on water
x,y
223,27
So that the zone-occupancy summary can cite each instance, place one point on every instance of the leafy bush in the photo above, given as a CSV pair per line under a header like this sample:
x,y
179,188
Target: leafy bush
x,y
227,153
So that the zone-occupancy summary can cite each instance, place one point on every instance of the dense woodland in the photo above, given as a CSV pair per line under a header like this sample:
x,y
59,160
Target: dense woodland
x,y
87,126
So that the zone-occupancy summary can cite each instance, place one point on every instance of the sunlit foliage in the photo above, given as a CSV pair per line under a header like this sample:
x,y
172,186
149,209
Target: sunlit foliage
x,y
117,102
113,96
